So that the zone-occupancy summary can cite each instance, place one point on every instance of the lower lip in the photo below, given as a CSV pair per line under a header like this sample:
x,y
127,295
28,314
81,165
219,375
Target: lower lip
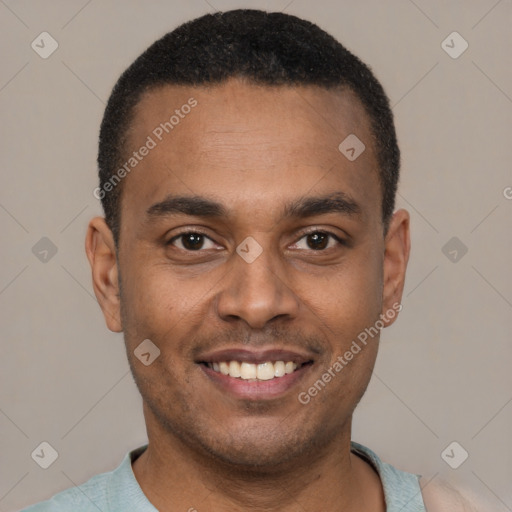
x,y
256,390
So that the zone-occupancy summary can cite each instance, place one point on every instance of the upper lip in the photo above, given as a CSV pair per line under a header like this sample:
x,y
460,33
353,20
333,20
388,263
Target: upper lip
x,y
254,356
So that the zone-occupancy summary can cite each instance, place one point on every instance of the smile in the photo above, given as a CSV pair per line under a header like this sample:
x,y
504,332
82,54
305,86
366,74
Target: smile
x,y
248,371
256,375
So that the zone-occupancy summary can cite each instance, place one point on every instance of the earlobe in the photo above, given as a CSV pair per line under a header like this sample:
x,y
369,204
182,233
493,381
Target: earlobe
x,y
101,253
396,257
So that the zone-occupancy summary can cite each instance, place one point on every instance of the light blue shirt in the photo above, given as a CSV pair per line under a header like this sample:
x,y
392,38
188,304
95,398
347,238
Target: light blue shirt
x,y
119,491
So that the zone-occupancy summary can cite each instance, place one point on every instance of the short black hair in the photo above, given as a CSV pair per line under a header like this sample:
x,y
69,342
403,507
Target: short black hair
x,y
264,48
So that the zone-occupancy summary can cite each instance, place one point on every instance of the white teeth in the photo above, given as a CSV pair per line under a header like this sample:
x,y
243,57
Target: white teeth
x,y
247,371
234,369
290,367
265,371
279,368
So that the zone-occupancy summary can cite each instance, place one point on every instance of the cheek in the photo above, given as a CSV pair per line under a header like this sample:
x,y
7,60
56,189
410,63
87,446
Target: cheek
x,y
155,308
355,319
165,306
150,302
352,297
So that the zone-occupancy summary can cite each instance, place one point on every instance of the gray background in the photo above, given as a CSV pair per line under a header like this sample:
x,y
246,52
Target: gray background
x,y
443,372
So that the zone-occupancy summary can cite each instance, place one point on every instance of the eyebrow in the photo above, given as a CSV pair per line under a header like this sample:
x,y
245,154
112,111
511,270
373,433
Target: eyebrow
x,y
337,202
303,207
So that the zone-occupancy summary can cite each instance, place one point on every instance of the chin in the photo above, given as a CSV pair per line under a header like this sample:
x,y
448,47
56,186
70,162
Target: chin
x,y
256,449
254,458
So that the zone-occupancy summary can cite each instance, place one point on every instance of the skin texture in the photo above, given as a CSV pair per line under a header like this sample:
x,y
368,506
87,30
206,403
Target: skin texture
x,y
440,496
253,149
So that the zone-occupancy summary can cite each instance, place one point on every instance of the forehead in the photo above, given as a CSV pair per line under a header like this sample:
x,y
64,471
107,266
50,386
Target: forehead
x,y
247,144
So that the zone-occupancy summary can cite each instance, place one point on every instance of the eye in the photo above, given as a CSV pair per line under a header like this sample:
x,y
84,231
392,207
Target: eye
x,y
318,241
192,241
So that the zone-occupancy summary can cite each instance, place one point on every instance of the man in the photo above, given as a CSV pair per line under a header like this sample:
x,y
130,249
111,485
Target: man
x,y
251,255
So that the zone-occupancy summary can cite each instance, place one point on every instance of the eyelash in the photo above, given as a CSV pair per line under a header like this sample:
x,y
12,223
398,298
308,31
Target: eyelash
x,y
341,241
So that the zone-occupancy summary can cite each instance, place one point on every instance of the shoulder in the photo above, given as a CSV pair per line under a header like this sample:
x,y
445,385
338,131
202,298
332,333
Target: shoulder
x,y
116,490
88,497
440,496
408,491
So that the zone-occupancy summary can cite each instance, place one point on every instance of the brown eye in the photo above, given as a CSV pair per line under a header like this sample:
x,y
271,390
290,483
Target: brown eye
x,y
318,241
191,241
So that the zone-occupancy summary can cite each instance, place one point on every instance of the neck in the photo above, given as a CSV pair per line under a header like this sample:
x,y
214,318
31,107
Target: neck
x,y
175,477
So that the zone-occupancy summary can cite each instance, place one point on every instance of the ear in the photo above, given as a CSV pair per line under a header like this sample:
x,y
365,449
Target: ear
x,y
396,255
101,253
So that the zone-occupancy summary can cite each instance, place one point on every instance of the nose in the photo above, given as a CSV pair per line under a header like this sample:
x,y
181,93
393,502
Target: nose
x,y
257,292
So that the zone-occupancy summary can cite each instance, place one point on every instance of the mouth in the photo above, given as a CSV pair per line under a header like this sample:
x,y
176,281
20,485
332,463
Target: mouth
x,y
255,375
255,372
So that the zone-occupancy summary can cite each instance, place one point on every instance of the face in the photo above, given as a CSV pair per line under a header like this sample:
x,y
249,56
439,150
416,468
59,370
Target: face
x,y
250,244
